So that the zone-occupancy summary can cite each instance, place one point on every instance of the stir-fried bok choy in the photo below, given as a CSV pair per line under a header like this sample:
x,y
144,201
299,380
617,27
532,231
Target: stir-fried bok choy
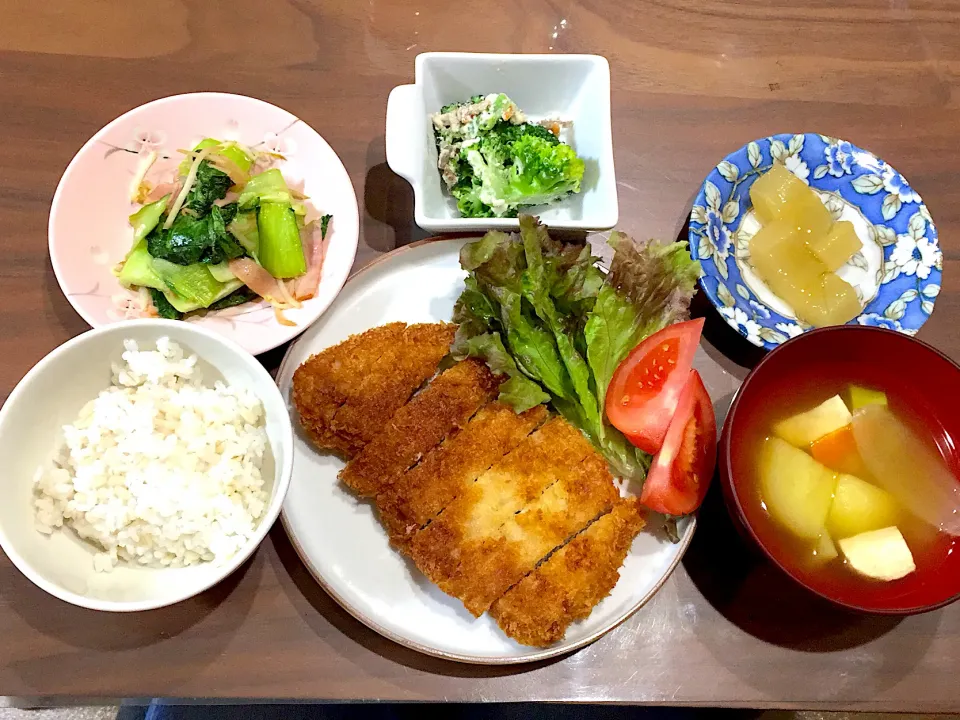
x,y
224,230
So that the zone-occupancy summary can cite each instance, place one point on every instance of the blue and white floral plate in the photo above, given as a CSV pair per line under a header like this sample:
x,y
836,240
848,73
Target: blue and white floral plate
x,y
896,274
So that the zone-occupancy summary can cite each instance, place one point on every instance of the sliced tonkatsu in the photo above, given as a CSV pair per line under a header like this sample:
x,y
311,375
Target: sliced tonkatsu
x,y
322,384
566,587
346,393
443,407
516,514
445,472
457,543
581,493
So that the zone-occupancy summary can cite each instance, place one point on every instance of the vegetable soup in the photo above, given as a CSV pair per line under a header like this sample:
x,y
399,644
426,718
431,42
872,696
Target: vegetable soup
x,y
854,487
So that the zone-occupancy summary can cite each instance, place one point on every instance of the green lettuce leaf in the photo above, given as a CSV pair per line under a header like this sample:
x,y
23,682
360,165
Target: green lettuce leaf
x,y
649,286
575,287
627,460
532,345
541,312
474,305
519,391
536,289
496,260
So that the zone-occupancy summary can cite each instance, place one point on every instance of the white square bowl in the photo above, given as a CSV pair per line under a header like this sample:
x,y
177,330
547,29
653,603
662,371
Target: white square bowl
x,y
565,87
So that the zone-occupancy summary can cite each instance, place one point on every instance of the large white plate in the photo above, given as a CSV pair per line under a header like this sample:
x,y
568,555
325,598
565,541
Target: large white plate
x,y
339,537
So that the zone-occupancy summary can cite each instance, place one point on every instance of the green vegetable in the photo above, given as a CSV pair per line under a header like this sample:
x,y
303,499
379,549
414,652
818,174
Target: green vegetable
x,y
183,243
237,297
138,269
536,289
281,250
649,286
163,306
244,228
221,272
193,239
239,157
858,397
450,107
185,306
324,224
519,391
211,185
234,153
539,311
147,218
494,166
193,283
228,212
268,186
509,173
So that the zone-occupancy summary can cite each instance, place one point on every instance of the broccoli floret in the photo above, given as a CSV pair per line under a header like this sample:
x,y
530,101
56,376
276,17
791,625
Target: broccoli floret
x,y
450,107
494,166
516,167
543,172
495,163
470,205
509,132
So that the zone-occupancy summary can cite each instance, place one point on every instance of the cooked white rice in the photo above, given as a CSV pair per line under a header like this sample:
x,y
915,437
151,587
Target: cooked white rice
x,y
159,470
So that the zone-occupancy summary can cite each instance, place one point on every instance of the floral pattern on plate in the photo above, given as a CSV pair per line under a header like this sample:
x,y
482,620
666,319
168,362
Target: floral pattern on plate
x,y
899,288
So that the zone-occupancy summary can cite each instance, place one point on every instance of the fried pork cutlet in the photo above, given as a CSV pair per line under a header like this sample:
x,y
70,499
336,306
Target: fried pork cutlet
x,y
566,587
456,535
346,393
322,384
444,406
580,494
537,496
418,495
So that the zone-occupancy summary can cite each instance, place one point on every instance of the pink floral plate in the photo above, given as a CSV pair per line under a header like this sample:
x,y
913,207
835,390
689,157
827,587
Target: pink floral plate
x,y
89,231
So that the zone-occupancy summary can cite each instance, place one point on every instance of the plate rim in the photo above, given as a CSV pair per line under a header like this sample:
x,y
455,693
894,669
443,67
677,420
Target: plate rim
x,y
534,655
93,139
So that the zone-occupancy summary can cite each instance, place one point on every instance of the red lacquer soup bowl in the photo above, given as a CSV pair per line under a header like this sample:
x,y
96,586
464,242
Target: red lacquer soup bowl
x,y
923,386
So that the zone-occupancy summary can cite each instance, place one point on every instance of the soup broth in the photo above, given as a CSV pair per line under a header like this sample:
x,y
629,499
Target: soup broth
x,y
794,542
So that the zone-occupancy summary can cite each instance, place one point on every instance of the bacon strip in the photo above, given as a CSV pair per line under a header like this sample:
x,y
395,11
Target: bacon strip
x,y
314,249
257,279
164,188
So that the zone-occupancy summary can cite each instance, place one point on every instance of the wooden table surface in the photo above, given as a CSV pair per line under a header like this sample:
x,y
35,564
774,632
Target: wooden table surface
x,y
692,80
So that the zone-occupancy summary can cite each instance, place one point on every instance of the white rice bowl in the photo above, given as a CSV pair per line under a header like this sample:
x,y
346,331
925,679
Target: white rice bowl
x,y
105,524
159,469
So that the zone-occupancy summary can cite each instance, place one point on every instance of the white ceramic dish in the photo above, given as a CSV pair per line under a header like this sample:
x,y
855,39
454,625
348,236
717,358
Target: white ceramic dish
x,y
419,283
89,231
51,395
565,87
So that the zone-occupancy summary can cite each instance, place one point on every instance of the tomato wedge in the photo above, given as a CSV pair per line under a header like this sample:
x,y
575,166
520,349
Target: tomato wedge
x,y
645,389
681,471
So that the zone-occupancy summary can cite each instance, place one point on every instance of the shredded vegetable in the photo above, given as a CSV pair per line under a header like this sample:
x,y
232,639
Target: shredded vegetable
x,y
187,184
225,164
138,191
